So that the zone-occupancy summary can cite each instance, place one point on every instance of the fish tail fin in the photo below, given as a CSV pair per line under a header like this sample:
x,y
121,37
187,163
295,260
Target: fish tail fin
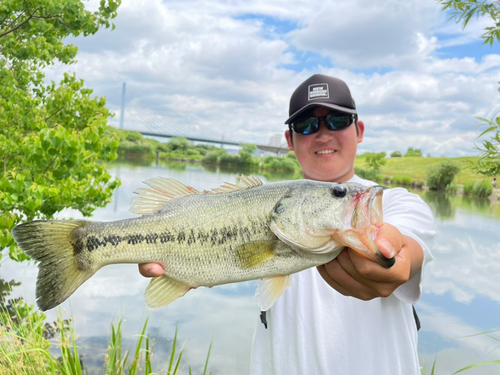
x,y
56,246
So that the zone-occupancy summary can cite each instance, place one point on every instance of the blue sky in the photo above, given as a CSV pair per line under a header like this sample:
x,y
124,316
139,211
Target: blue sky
x,y
229,68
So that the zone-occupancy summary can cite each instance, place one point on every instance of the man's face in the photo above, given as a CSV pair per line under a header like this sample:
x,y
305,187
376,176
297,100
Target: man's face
x,y
327,155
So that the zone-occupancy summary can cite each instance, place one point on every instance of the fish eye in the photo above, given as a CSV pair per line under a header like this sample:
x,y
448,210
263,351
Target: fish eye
x,y
339,191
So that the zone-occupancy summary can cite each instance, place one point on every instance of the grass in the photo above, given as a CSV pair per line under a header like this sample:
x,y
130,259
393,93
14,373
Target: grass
x,y
416,167
25,349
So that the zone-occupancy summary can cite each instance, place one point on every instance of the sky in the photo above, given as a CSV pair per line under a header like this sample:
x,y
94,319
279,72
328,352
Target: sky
x,y
228,68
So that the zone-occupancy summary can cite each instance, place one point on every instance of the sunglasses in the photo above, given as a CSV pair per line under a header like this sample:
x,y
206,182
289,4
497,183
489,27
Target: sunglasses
x,y
310,125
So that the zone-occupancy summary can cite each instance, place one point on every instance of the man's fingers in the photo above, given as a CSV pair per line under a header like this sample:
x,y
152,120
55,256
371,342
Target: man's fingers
x,y
335,285
389,241
151,269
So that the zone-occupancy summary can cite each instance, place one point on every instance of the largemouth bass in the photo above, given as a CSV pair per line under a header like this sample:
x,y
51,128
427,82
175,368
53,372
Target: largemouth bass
x,y
229,234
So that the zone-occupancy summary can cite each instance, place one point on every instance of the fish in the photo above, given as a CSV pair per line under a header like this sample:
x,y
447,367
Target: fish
x,y
233,233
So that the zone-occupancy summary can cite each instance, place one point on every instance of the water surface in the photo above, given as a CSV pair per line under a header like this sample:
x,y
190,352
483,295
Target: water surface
x,y
461,289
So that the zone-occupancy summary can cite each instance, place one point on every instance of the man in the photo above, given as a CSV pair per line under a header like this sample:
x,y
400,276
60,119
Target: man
x,y
353,316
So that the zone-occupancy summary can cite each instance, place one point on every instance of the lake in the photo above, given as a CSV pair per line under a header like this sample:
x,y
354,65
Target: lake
x,y
461,289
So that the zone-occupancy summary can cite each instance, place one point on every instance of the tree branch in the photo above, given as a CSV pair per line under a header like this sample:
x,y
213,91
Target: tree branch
x,y
18,26
15,20
55,157
2,21
52,115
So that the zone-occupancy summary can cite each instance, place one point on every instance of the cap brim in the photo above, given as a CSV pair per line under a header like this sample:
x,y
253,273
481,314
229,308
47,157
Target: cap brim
x,y
316,105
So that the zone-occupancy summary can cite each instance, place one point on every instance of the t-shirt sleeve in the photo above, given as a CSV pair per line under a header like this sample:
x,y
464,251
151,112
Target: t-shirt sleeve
x,y
413,218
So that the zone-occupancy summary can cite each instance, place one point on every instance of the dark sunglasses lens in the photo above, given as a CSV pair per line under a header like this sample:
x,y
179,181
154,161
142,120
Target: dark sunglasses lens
x,y
338,122
306,126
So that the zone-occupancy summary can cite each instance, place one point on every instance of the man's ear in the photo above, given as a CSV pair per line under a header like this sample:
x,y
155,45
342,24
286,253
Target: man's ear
x,y
361,130
289,139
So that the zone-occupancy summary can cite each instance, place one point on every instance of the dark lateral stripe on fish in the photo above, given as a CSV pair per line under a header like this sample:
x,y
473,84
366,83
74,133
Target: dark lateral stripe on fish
x,y
215,236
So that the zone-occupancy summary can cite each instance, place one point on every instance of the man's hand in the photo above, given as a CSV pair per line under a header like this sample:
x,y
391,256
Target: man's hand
x,y
151,269
353,275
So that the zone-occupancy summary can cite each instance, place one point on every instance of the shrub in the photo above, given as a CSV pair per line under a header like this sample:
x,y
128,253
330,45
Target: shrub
x,y
363,173
482,188
396,154
195,157
469,188
441,175
229,159
276,163
134,136
174,155
291,155
211,157
178,144
402,180
135,149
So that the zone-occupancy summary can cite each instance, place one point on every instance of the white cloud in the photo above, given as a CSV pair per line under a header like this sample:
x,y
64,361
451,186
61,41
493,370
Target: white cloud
x,y
457,350
225,67
465,267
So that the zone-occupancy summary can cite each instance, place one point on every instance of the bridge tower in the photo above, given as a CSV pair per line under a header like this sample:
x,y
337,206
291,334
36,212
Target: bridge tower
x,y
122,114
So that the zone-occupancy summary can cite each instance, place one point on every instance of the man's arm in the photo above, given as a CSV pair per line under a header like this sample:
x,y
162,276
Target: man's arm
x,y
353,275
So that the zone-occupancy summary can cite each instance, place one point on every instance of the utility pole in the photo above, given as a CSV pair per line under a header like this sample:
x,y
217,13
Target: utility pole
x,y
122,115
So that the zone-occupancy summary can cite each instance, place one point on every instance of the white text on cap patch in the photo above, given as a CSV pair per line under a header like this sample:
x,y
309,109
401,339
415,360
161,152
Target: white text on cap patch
x,y
318,91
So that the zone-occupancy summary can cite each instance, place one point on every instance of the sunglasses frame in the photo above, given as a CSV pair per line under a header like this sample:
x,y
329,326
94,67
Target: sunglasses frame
x,y
317,122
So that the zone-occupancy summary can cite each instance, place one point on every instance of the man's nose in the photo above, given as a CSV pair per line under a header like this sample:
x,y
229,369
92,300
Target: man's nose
x,y
323,132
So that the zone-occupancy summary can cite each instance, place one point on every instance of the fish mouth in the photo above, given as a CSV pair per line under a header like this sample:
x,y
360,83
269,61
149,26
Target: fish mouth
x,y
363,220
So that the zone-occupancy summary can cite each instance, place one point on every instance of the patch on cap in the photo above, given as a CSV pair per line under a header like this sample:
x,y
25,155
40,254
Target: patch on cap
x,y
318,91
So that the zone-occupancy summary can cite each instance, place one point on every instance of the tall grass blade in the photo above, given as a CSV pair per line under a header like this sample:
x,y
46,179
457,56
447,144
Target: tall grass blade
x,y
497,362
133,369
172,355
208,357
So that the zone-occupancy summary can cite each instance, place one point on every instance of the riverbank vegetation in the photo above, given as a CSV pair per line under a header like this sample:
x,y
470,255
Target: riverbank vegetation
x,y
31,346
408,168
52,149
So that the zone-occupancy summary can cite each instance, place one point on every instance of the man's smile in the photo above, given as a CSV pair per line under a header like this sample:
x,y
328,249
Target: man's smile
x,y
325,152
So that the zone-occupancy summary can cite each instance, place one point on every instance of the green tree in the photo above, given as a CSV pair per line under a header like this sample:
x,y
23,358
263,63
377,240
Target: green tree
x,y
413,152
51,135
489,157
396,154
463,10
246,153
179,144
441,175
375,160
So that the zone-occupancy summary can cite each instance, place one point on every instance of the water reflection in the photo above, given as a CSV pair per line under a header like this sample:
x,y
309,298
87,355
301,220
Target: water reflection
x,y
461,288
477,203
440,204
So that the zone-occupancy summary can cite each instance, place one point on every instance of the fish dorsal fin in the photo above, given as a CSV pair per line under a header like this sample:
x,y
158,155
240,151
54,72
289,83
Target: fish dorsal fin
x,y
270,289
245,182
162,191
163,290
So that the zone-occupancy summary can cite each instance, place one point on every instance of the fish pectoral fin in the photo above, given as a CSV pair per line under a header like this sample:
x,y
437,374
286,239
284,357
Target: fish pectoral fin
x,y
270,289
252,254
162,191
163,290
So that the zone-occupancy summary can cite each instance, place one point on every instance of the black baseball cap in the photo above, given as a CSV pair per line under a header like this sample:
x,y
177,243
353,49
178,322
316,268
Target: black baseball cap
x,y
320,90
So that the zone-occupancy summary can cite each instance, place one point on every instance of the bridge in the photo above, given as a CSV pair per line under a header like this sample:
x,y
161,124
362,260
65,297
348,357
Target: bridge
x,y
159,124
275,149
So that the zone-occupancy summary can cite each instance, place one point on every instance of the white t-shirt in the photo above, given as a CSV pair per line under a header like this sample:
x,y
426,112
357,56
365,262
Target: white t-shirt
x,y
313,329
